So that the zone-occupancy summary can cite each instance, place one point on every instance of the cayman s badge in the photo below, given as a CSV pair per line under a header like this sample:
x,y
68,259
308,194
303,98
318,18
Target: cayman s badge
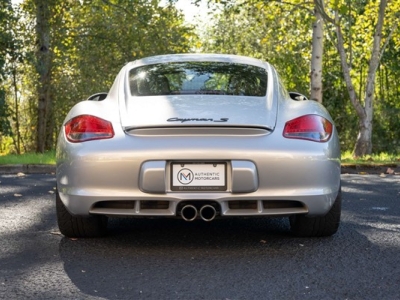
x,y
183,120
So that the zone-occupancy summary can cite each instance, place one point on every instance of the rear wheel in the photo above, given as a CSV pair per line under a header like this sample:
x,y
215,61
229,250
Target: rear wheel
x,y
327,225
74,227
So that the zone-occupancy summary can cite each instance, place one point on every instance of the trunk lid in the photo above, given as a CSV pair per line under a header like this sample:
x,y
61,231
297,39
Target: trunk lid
x,y
199,110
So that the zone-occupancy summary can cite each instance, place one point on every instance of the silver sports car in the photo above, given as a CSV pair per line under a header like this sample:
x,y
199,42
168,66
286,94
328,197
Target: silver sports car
x,y
198,137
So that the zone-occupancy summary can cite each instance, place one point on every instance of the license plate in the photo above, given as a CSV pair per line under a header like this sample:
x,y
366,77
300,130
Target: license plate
x,y
198,177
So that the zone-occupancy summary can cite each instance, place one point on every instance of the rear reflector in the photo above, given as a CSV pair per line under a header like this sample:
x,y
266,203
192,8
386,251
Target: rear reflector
x,y
86,128
309,127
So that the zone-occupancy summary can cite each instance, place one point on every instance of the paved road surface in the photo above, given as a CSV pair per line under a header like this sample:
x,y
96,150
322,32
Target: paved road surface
x,y
224,259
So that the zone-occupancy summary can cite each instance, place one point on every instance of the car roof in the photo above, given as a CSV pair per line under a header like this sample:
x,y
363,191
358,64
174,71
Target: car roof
x,y
198,57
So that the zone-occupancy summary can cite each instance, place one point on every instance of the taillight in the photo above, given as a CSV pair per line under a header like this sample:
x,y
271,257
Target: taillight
x,y
86,127
308,127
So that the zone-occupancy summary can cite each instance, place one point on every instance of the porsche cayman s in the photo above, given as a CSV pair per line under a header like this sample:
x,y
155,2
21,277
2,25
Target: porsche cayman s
x,y
198,137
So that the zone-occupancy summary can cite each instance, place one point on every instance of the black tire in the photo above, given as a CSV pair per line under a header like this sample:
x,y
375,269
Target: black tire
x,y
79,227
303,226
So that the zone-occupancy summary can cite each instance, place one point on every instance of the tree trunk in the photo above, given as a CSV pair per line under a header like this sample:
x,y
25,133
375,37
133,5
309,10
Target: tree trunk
x,y
16,112
364,112
49,142
364,145
364,140
43,68
364,135
316,56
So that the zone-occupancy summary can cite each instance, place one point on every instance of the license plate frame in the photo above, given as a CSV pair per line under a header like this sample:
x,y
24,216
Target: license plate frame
x,y
198,176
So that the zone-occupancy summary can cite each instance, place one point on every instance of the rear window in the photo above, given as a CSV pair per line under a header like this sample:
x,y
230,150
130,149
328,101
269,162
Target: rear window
x,y
192,78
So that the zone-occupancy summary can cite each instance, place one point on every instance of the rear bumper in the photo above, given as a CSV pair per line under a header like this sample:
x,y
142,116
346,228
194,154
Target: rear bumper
x,y
228,205
264,178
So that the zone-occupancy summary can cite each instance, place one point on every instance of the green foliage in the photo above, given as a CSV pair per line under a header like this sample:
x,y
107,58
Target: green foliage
x,y
89,43
92,39
15,55
5,127
29,158
5,36
266,31
6,41
379,158
281,34
92,44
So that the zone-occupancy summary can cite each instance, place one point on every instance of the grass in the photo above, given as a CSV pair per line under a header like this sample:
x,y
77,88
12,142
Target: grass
x,y
347,158
28,158
373,159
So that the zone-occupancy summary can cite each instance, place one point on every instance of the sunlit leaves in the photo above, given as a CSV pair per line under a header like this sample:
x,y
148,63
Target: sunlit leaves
x,y
90,42
96,38
267,30
280,32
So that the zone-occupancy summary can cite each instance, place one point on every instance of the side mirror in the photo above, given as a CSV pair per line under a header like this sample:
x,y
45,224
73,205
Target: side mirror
x,y
297,96
97,97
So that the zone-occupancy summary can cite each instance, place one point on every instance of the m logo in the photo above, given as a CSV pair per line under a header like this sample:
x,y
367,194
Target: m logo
x,y
185,176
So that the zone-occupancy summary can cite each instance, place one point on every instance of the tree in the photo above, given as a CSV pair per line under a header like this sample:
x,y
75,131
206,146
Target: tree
x,y
43,68
13,59
91,44
355,50
273,31
364,109
103,43
5,42
317,50
74,49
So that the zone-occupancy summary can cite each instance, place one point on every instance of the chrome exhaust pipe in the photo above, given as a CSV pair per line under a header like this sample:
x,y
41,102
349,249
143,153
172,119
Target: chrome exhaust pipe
x,y
208,213
189,213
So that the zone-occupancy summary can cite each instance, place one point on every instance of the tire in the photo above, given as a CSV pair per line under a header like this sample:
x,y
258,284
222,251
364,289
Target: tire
x,y
79,227
303,226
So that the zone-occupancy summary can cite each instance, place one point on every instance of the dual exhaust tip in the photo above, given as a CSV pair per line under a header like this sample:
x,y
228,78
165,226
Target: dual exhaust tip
x,y
207,213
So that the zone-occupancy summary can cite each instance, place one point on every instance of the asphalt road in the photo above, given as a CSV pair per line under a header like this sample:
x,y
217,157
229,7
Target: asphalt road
x,y
224,259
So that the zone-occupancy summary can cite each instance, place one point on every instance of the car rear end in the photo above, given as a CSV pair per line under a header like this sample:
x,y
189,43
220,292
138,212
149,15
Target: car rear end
x,y
198,153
